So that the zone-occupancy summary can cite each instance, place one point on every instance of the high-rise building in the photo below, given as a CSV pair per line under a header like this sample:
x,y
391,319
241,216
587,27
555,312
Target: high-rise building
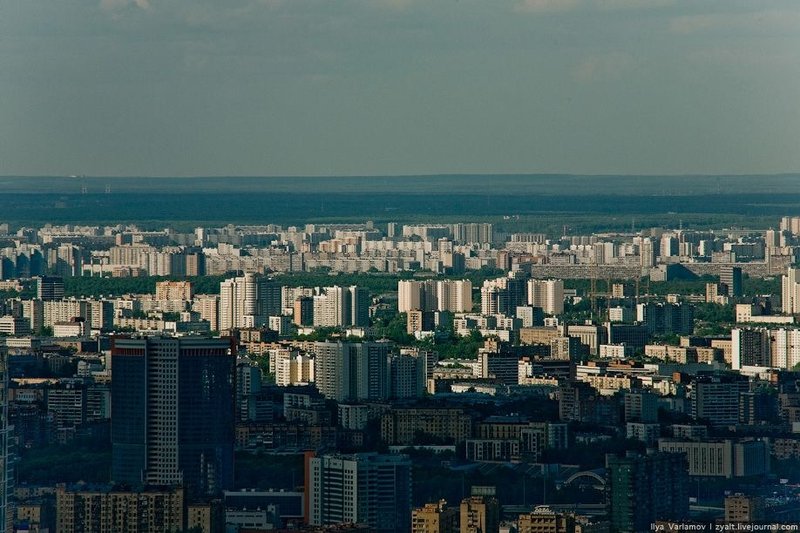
x,y
500,363
435,518
530,316
642,489
712,293
403,425
428,359
772,239
730,277
6,477
103,510
750,347
102,314
359,306
290,294
634,335
66,311
407,375
174,290
50,288
790,291
65,260
14,326
208,307
473,232
566,348
410,295
247,301
419,320
590,335
454,296
666,318
435,295
303,311
647,252
352,371
494,299
342,306
785,347
504,295
480,514
453,263
366,488
332,364
248,386
173,413
517,287
716,400
33,310
641,406
195,261
372,370
721,457
293,368
669,246
790,224
547,294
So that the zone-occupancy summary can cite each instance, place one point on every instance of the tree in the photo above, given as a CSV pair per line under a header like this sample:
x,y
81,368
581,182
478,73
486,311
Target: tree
x,y
394,328
322,334
455,346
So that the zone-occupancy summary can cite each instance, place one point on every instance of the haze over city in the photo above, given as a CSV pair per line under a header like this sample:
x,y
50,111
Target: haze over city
x,y
387,87
399,266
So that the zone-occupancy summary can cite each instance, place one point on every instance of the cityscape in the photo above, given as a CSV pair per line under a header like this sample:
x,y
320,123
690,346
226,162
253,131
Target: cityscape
x,y
399,266
397,377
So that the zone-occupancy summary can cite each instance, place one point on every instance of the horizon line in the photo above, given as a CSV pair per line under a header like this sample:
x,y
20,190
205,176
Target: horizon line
x,y
396,176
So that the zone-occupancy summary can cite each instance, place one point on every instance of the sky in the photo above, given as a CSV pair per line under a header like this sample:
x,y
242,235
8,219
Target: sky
x,y
398,87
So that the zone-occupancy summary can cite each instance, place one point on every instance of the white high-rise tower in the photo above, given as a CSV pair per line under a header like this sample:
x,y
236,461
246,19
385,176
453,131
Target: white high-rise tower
x,y
790,291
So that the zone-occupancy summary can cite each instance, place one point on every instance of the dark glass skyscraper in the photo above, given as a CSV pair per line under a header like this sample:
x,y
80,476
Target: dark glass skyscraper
x,y
642,489
172,413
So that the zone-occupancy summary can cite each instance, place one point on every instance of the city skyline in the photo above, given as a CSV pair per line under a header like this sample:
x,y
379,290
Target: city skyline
x,y
392,266
303,378
149,88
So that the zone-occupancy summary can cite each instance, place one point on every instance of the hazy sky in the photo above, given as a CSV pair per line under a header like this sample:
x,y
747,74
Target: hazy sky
x,y
348,87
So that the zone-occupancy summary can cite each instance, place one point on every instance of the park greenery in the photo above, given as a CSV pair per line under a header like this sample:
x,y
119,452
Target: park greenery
x,y
381,283
85,460
376,282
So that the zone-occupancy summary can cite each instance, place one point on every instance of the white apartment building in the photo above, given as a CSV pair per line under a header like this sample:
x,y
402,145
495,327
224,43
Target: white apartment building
x,y
547,294
790,291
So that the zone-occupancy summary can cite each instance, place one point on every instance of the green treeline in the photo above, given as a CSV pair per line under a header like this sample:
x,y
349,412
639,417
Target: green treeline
x,y
380,283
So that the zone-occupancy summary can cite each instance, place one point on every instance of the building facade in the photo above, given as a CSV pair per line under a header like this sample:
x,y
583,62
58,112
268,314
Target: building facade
x,y
365,488
173,413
